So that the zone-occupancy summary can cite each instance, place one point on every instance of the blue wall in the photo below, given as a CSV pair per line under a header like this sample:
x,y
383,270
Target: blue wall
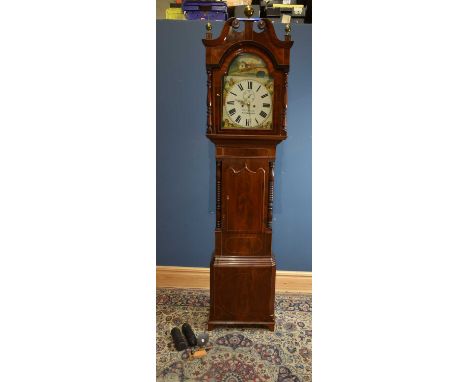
x,y
185,179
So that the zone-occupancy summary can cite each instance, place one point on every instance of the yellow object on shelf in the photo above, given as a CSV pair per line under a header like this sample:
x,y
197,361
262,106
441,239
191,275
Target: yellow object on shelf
x,y
288,6
175,14
234,3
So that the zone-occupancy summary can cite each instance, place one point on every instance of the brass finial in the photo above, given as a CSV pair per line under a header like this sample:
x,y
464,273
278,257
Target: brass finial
x,y
208,26
287,29
248,11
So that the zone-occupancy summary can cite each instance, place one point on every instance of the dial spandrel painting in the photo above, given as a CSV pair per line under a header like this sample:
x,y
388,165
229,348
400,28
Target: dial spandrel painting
x,y
248,94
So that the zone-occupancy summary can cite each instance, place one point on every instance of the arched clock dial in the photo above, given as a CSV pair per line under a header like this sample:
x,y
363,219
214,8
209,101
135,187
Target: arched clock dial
x,y
248,103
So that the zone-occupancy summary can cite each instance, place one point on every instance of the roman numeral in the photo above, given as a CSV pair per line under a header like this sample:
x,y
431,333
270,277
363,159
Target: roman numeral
x,y
230,102
259,86
263,114
238,118
249,85
234,94
266,105
265,95
232,111
240,86
247,122
256,120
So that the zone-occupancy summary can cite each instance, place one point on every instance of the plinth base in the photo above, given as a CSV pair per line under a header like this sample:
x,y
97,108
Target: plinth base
x,y
242,291
269,325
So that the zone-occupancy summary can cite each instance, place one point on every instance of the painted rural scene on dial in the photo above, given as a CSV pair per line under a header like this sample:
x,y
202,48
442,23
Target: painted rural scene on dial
x,y
248,94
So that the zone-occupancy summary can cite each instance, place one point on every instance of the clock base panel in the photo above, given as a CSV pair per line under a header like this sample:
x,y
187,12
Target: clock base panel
x,y
242,292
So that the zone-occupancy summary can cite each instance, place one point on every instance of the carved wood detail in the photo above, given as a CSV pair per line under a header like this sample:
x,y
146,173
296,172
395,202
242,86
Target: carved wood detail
x,y
266,37
218,193
270,193
285,105
209,103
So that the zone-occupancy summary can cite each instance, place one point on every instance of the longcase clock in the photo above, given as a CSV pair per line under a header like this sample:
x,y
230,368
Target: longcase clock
x,y
247,67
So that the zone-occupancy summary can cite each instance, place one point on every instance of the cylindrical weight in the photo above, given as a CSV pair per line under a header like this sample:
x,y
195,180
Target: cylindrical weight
x,y
178,339
202,340
189,334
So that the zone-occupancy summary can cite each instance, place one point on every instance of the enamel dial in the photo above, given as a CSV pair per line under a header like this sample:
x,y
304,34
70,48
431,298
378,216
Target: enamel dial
x,y
247,103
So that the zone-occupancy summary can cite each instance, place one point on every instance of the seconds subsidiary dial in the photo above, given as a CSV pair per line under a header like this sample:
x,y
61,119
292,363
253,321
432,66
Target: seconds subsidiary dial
x,y
247,104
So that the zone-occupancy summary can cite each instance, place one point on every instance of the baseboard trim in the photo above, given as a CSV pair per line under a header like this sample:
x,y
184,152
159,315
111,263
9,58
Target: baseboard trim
x,y
189,277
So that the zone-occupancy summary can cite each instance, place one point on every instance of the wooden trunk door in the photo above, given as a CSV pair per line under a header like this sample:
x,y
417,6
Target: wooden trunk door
x,y
244,193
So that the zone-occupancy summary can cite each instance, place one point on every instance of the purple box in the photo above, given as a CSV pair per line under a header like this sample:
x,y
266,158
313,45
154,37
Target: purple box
x,y
205,10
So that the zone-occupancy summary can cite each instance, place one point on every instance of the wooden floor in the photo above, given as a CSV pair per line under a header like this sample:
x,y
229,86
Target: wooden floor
x,y
188,277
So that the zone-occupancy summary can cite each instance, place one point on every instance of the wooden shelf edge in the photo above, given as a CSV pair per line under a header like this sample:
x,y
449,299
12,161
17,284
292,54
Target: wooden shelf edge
x,y
190,277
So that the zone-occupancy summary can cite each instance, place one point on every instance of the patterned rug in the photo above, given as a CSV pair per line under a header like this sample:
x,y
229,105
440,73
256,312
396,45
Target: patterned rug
x,y
238,354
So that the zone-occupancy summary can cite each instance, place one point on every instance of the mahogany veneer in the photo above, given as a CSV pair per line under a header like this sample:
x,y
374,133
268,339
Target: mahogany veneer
x,y
243,268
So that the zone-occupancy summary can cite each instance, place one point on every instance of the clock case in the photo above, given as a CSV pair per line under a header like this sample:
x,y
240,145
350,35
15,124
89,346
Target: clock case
x,y
243,267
